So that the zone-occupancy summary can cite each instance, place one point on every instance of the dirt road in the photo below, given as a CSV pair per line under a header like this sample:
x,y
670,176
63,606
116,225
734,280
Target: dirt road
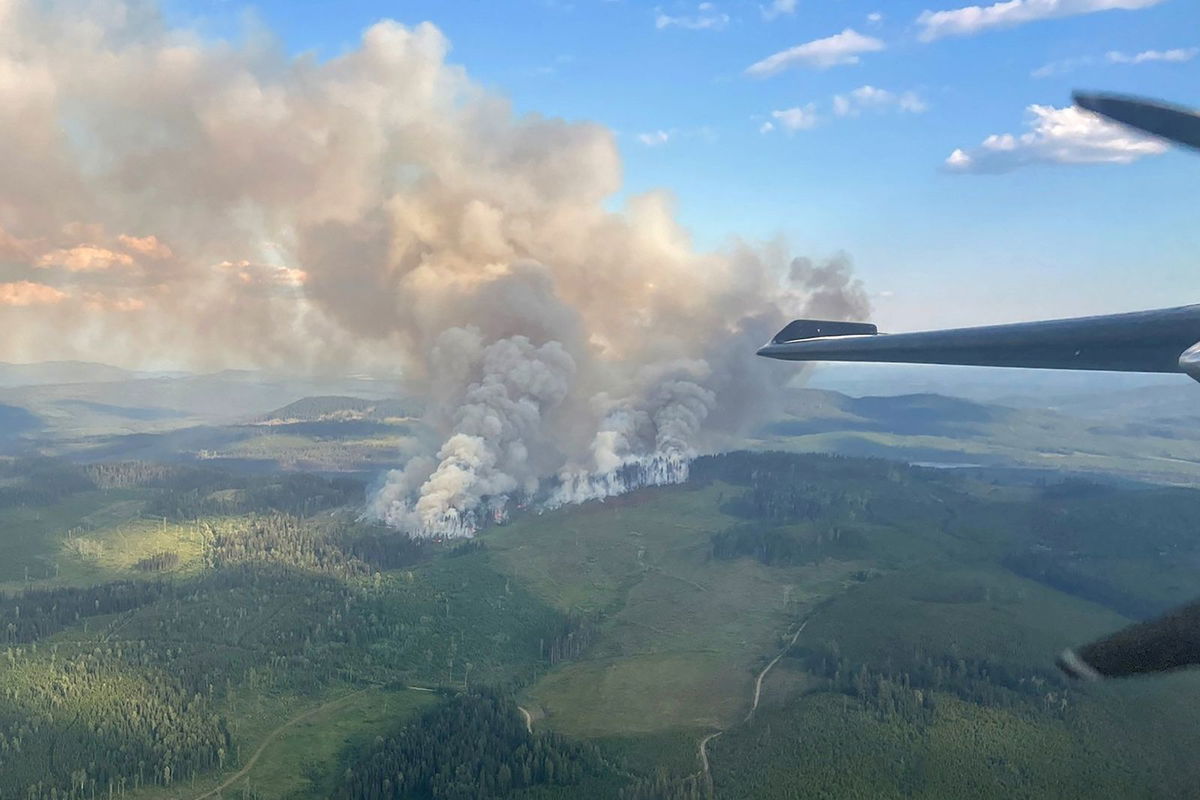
x,y
241,773
758,683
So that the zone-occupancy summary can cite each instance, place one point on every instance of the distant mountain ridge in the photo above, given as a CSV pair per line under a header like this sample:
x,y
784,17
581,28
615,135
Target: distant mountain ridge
x,y
53,372
821,411
334,408
982,384
78,398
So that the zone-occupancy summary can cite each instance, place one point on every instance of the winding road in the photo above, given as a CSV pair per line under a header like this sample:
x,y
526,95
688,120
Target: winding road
x,y
758,683
705,773
704,759
241,773
702,749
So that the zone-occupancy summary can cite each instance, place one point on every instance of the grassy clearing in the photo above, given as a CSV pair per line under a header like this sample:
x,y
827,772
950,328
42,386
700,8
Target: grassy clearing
x,y
32,537
1115,740
305,749
683,635
121,546
586,558
299,451
343,715
643,694
91,539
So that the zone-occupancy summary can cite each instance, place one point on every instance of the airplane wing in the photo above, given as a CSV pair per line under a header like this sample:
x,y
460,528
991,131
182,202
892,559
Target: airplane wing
x,y
1173,123
1167,340
1165,644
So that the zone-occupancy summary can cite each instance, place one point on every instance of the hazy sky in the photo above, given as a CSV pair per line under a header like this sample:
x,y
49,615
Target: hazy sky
x,y
831,122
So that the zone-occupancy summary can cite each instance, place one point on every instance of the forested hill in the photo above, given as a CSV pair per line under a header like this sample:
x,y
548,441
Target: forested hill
x,y
317,409
858,627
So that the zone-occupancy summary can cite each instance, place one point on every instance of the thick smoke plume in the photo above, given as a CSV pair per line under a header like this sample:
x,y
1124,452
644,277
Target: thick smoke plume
x,y
170,199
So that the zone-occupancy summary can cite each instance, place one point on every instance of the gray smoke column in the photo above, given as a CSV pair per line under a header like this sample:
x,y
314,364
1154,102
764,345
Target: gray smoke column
x,y
169,199
647,439
497,433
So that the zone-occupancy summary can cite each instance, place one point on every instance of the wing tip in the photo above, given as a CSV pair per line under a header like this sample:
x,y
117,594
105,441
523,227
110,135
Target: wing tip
x,y
1074,666
801,329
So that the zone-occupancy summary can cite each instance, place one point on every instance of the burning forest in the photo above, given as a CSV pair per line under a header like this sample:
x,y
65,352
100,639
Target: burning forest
x,y
217,204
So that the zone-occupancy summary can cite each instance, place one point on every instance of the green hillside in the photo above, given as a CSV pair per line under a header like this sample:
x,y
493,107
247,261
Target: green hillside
x,y
1151,446
858,628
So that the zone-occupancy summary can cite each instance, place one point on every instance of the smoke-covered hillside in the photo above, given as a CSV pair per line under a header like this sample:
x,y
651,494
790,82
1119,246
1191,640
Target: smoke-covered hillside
x,y
232,206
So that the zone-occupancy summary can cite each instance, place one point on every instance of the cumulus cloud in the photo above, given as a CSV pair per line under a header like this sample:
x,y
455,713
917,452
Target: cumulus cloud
x,y
832,51
1175,56
970,20
706,18
778,8
875,17
864,99
28,293
870,98
1057,136
218,204
798,118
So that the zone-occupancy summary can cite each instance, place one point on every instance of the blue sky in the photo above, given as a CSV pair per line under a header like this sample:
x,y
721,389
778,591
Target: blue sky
x,y
936,246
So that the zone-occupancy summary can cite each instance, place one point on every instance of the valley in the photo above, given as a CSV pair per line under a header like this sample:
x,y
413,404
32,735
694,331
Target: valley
x,y
858,626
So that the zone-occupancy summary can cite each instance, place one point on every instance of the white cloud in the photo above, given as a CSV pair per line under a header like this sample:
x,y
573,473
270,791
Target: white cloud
x,y
654,138
799,118
875,18
1178,55
707,17
778,8
1057,136
657,138
1010,13
1063,66
851,104
870,98
842,48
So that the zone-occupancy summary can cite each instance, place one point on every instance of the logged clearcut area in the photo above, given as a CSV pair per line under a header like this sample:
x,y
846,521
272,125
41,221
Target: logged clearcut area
x,y
599,399
777,618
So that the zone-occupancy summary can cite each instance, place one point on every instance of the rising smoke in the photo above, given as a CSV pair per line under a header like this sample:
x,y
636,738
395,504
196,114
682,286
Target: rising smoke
x,y
171,199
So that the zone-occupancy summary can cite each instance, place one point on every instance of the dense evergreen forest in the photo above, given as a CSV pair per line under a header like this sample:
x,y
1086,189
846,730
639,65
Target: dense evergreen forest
x,y
189,491
277,589
475,745
281,602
